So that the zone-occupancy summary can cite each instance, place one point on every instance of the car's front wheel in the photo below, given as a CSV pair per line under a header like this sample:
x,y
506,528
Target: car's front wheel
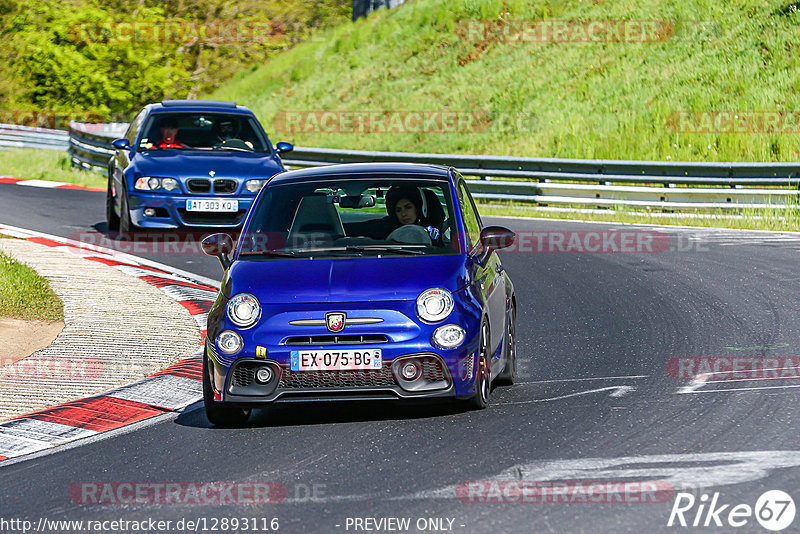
x,y
509,374
219,415
483,372
125,224
111,215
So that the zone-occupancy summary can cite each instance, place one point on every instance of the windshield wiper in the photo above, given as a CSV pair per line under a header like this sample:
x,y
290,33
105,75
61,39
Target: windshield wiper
x,y
283,253
383,248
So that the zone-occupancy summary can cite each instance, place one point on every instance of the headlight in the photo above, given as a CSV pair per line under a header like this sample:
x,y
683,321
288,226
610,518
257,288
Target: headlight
x,y
244,310
448,336
434,305
152,183
169,183
254,186
229,342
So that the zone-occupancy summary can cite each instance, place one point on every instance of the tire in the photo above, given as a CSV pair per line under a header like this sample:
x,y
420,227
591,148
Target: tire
x,y
125,224
483,372
217,414
111,215
509,374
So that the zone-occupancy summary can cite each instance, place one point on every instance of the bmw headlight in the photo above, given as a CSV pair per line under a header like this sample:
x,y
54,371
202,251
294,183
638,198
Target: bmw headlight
x,y
229,342
448,336
434,305
153,183
244,310
254,186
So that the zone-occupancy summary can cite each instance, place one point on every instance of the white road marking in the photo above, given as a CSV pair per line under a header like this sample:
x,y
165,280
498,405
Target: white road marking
x,y
165,391
741,389
41,183
581,379
617,391
696,383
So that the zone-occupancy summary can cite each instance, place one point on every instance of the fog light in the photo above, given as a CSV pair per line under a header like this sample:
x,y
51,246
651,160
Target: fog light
x,y
150,212
448,336
410,370
264,374
229,342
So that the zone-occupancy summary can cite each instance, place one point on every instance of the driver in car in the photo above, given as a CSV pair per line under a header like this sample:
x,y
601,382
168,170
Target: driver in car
x,y
226,133
169,132
404,207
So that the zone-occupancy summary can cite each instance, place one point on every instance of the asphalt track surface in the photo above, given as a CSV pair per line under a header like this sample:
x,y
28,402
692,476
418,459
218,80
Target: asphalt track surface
x,y
594,402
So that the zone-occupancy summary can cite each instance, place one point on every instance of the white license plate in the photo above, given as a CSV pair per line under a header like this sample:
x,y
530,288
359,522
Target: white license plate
x,y
336,360
212,204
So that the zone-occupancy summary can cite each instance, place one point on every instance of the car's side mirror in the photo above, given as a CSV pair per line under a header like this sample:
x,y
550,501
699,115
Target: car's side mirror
x,y
219,245
121,144
496,238
283,147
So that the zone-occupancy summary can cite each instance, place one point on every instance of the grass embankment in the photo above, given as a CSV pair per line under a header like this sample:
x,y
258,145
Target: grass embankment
x,y
615,100
26,295
53,165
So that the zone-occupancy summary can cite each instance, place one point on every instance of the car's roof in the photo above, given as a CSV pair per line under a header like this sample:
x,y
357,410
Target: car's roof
x,y
366,171
200,106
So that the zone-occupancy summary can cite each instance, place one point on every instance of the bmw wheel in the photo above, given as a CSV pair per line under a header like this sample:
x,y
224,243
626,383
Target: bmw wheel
x,y
217,414
509,374
111,215
483,372
126,226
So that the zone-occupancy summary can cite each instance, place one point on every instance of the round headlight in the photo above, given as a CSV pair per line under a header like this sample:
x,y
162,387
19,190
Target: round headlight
x,y
229,342
169,184
244,310
153,183
254,185
448,336
434,305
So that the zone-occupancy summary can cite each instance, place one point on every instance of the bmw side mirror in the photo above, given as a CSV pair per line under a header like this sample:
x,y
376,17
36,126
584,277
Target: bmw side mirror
x,y
219,245
121,144
283,147
496,238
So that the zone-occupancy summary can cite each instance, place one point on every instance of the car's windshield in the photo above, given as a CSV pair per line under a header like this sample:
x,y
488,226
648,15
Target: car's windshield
x,y
352,218
202,131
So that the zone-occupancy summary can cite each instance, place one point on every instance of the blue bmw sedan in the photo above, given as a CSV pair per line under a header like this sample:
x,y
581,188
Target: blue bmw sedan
x,y
189,163
365,282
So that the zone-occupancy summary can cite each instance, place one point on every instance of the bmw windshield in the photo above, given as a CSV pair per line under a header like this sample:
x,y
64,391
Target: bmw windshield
x,y
362,217
203,131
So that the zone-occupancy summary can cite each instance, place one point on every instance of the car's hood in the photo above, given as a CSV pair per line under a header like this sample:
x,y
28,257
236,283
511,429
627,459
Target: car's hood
x,y
345,279
224,164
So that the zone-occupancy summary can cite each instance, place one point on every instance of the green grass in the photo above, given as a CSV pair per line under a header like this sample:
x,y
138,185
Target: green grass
x,y
26,295
578,100
778,219
33,164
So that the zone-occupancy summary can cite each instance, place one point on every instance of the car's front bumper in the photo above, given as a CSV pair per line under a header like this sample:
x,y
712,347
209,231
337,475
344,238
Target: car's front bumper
x,y
171,211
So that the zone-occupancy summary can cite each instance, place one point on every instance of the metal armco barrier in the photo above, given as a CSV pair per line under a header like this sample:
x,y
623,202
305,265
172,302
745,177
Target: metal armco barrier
x,y
549,181
90,144
14,136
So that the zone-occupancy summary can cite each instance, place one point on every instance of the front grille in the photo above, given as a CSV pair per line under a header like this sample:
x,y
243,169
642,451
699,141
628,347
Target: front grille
x,y
202,217
243,375
224,186
336,379
432,369
199,185
337,340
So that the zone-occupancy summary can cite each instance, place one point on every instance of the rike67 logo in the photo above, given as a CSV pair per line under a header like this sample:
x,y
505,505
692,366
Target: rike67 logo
x,y
774,510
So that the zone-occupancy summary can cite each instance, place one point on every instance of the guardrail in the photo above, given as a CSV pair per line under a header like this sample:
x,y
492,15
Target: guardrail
x,y
15,136
90,143
547,181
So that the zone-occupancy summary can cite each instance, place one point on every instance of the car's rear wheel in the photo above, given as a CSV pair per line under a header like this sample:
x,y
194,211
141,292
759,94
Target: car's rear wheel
x,y
509,374
219,415
111,215
483,372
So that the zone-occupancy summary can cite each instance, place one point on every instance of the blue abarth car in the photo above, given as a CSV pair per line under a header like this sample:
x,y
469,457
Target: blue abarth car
x,y
359,282
197,163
